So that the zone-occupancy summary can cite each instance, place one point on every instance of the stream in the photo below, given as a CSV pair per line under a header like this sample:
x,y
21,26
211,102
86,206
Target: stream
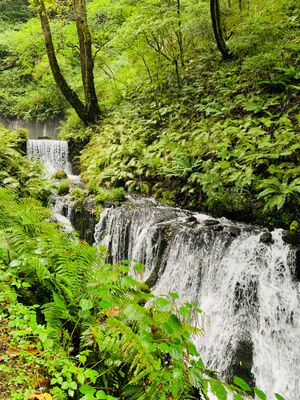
x,y
245,279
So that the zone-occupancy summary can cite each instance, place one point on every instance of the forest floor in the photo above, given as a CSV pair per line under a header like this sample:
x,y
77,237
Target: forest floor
x,y
18,366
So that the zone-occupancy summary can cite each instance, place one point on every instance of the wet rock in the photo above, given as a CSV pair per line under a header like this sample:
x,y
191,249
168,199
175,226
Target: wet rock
x,y
211,222
111,204
234,231
291,237
266,237
83,219
191,219
217,228
297,265
242,361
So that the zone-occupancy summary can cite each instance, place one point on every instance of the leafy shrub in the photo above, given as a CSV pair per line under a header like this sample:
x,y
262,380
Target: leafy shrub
x,y
115,194
78,194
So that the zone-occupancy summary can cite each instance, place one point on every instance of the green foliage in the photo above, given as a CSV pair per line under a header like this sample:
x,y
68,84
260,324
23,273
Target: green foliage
x,y
14,10
98,332
116,194
78,194
226,134
279,193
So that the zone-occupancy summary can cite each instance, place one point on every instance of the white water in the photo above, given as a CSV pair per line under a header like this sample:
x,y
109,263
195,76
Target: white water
x,y
246,288
52,153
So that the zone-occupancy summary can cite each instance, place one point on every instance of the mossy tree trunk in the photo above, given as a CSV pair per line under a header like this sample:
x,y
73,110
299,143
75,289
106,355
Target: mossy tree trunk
x,y
217,28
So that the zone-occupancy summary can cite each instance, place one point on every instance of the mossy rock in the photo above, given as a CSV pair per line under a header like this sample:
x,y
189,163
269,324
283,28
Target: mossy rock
x,y
110,195
59,175
64,187
78,194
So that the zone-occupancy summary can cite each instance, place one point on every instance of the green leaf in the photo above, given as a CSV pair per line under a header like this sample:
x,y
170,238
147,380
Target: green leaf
x,y
279,397
15,263
59,301
260,394
101,395
237,397
196,377
163,347
86,304
88,390
174,322
106,305
163,304
192,349
65,385
241,383
185,312
91,374
218,390
82,358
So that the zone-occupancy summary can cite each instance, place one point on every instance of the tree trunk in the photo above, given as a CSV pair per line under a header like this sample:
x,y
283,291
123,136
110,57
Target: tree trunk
x,y
86,60
180,35
60,80
217,27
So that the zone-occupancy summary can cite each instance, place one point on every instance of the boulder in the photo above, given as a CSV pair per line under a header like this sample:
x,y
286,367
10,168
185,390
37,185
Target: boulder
x,y
266,237
297,265
242,361
84,220
291,237
211,222
233,230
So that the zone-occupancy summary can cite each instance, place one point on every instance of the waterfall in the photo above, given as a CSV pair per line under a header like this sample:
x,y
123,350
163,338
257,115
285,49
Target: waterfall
x,y
247,288
52,153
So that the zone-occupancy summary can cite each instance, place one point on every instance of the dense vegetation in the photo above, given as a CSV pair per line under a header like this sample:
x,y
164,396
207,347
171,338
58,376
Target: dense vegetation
x,y
177,121
73,326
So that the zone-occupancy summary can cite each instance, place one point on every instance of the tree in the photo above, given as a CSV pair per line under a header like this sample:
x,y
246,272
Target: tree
x,y
87,111
218,31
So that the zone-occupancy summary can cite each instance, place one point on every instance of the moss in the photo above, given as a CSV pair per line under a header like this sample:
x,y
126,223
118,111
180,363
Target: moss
x,y
64,187
61,174
169,197
97,212
115,194
78,194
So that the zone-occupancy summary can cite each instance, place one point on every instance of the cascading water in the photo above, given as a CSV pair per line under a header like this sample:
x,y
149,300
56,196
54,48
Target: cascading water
x,y
52,153
247,288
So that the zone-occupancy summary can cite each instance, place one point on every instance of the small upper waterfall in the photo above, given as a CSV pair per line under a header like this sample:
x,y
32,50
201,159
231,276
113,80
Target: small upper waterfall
x,y
52,153
246,287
